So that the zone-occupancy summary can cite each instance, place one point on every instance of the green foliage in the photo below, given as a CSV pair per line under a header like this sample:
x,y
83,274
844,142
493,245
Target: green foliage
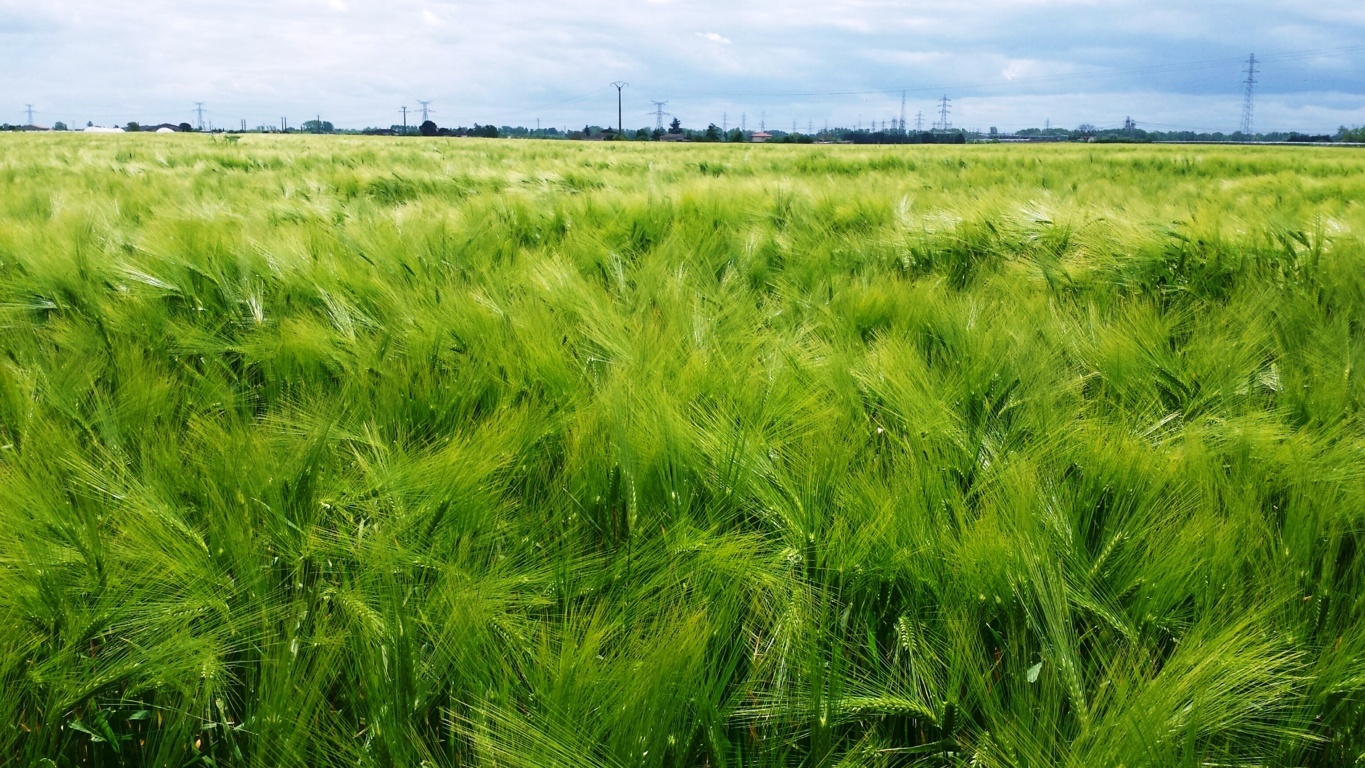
x,y
325,451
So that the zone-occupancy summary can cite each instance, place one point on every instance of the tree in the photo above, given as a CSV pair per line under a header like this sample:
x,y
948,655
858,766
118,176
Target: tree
x,y
428,128
59,126
643,135
712,133
185,128
675,126
132,127
318,126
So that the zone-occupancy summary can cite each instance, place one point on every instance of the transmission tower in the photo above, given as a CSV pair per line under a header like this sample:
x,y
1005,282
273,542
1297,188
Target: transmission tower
x,y
29,107
744,121
919,122
426,109
199,109
944,107
902,125
659,114
1248,104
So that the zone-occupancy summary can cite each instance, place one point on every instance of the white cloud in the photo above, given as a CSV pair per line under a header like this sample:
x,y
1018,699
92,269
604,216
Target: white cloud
x,y
359,61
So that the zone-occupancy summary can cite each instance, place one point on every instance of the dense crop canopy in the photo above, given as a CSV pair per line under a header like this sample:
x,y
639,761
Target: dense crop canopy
x,y
322,451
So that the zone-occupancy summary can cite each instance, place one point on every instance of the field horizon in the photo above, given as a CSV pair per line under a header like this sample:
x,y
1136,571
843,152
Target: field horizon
x,y
347,451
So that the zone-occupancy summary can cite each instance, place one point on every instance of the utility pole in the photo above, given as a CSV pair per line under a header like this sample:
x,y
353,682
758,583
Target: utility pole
x,y
944,105
29,107
244,125
902,126
405,121
1048,126
619,85
725,122
199,108
659,114
744,122
426,107
317,125
1248,104
284,125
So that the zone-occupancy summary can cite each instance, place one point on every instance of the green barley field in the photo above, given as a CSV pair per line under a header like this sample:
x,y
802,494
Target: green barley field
x,y
369,452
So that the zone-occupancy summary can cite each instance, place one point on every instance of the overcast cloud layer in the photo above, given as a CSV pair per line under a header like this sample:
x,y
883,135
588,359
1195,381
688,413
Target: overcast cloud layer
x,y
1007,63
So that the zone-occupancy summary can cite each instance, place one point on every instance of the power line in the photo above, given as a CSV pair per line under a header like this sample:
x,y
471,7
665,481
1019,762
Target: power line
x,y
1248,103
1142,70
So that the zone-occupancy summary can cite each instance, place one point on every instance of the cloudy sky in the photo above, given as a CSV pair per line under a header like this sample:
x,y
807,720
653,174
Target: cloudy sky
x,y
1007,63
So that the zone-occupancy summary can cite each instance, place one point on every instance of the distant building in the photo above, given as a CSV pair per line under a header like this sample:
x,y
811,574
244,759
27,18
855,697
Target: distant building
x,y
102,129
673,137
758,137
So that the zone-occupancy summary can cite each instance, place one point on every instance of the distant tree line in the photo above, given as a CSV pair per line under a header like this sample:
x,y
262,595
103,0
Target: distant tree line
x,y
907,137
713,133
